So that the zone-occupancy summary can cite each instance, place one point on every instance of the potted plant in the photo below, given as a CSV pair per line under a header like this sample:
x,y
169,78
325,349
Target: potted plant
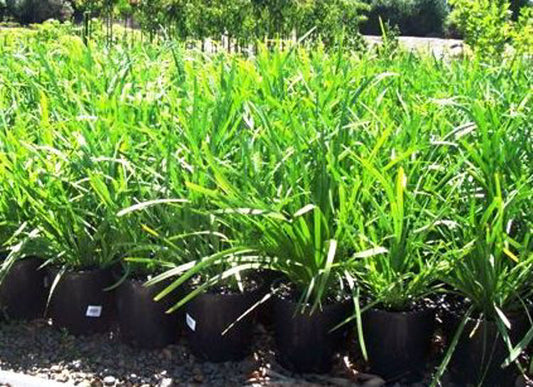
x,y
67,198
312,300
402,213
231,298
22,279
487,313
143,321
22,282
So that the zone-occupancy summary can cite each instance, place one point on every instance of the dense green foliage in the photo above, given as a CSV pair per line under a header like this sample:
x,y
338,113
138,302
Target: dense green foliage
x,y
380,175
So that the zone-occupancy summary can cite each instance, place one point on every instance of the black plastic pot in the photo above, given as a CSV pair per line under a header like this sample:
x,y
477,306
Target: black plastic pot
x,y
79,302
22,292
265,312
398,343
143,321
208,315
477,359
306,343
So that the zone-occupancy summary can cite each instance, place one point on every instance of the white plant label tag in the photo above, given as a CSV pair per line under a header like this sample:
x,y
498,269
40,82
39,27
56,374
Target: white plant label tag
x,y
94,311
191,323
46,282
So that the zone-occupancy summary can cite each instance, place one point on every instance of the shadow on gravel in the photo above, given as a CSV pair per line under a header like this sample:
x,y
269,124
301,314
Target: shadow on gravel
x,y
37,349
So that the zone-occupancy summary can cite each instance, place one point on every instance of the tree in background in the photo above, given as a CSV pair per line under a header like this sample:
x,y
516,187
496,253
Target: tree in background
x,y
244,21
333,18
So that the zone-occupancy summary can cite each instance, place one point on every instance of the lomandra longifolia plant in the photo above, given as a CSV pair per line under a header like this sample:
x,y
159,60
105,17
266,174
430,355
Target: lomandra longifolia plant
x,y
492,253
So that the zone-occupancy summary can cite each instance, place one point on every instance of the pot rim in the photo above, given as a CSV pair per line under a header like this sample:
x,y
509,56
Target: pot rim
x,y
324,307
427,310
514,317
73,273
325,304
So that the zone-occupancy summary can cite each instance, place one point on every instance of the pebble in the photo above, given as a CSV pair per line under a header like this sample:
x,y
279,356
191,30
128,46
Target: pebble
x,y
63,377
166,382
198,375
76,364
199,378
167,354
109,381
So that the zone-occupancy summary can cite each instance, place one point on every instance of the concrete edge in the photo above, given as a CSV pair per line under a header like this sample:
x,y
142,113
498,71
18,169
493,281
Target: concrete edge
x,y
20,380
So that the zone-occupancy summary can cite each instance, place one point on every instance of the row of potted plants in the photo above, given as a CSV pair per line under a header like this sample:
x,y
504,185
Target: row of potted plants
x,y
385,284
368,194
219,323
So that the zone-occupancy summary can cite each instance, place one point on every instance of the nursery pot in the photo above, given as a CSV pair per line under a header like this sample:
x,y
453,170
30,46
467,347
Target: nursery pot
x,y
208,315
478,357
306,343
22,292
265,312
79,302
143,321
398,343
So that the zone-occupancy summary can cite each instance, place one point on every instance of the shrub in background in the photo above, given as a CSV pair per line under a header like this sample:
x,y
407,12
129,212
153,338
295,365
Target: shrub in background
x,y
522,33
487,26
333,18
37,11
483,23
412,17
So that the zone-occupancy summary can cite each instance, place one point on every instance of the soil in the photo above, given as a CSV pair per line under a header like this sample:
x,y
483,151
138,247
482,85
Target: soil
x,y
414,306
288,291
250,283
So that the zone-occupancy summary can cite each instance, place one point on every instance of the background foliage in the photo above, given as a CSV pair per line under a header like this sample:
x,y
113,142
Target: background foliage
x,y
479,21
412,17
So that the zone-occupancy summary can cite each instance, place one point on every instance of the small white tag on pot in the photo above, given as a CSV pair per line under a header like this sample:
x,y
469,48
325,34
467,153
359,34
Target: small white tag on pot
x,y
94,311
191,323
46,282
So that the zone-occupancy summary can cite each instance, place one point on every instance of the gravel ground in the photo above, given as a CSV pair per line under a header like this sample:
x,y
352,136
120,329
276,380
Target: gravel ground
x,y
37,349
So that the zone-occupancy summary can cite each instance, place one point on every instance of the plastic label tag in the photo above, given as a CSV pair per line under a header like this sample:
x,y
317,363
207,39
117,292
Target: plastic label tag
x,y
46,282
191,323
94,311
